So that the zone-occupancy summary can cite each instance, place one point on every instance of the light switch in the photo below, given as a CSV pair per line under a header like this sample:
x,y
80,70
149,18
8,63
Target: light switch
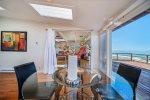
x,y
36,43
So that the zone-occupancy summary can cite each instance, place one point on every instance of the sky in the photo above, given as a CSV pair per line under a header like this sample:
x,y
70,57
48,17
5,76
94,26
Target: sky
x,y
134,37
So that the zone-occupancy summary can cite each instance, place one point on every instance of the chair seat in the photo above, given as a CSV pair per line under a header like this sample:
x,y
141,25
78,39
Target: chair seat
x,y
41,91
107,92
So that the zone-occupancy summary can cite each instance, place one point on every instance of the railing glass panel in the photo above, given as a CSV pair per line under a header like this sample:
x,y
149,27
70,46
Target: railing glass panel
x,y
139,57
131,57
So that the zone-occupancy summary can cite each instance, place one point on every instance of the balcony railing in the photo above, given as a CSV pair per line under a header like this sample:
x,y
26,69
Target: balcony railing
x,y
131,57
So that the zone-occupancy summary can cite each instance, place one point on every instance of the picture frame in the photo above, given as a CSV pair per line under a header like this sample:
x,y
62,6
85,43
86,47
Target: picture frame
x,y
14,41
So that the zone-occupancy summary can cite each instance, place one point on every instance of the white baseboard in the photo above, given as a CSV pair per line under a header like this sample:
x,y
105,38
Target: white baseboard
x,y
40,71
12,70
7,70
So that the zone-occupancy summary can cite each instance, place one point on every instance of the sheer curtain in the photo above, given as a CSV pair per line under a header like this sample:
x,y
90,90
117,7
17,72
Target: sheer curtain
x,y
50,53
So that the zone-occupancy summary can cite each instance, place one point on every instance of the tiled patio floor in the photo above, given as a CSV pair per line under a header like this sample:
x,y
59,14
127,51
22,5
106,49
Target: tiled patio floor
x,y
138,64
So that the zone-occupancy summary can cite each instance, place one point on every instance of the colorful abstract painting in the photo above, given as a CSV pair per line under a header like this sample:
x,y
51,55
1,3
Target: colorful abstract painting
x,y
13,41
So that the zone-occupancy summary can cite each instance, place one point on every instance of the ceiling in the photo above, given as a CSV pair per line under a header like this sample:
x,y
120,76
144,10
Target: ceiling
x,y
87,14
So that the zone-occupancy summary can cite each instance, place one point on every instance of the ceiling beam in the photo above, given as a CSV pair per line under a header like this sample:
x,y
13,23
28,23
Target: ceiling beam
x,y
121,18
72,30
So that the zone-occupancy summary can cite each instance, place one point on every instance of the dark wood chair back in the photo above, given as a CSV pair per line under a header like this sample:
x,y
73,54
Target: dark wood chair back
x,y
131,74
22,73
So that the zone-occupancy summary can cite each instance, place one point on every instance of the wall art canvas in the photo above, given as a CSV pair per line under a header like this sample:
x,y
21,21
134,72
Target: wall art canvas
x,y
13,41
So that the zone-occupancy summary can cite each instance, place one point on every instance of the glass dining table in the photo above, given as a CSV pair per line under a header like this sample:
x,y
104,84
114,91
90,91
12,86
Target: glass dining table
x,y
66,91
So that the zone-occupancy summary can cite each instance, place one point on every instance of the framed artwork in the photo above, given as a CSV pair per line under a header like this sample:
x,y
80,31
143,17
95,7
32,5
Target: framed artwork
x,y
13,41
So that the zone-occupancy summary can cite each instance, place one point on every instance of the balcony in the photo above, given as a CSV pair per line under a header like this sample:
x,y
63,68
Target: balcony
x,y
140,60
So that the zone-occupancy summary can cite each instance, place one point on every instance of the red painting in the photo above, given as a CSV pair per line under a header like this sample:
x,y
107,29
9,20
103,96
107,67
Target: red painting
x,y
13,41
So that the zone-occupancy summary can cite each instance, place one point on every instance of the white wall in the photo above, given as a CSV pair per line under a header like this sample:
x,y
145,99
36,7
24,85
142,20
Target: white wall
x,y
35,33
35,52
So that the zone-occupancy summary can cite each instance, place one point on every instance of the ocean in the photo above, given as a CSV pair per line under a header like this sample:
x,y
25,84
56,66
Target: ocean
x,y
147,52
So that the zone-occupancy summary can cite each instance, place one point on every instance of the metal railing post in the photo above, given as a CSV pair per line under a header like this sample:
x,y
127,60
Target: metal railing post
x,y
147,59
131,56
117,56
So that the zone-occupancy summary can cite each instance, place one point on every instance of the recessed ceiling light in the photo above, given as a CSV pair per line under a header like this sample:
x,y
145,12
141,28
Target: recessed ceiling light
x,y
52,11
1,8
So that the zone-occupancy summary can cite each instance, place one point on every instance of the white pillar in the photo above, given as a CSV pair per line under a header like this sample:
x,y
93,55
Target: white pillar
x,y
102,54
94,52
109,52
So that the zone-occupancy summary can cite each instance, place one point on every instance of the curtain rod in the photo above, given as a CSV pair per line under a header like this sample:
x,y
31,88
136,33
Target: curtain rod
x,y
65,30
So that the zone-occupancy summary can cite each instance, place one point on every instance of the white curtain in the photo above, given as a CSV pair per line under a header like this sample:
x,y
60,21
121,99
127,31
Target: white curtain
x,y
50,53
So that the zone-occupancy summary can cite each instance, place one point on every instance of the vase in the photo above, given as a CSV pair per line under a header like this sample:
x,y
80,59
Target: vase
x,y
72,67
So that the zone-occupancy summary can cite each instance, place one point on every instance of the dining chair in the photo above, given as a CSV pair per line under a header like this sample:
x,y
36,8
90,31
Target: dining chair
x,y
23,72
129,73
95,79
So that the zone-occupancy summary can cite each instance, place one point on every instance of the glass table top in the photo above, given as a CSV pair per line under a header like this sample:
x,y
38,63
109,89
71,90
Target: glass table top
x,y
60,90
85,78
